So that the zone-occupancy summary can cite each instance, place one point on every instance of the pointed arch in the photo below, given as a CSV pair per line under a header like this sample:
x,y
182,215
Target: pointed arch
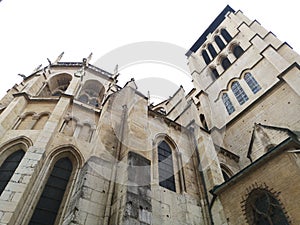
x,y
262,207
170,166
165,166
238,92
8,167
226,172
11,152
62,167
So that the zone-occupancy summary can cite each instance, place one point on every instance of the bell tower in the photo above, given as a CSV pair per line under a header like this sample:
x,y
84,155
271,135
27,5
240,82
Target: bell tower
x,y
242,75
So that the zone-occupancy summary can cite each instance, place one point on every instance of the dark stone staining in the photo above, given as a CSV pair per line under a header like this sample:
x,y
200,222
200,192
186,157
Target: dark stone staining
x,y
138,198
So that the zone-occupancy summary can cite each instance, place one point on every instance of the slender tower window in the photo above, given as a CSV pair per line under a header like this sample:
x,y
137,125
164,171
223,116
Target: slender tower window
x,y
238,51
226,35
220,43
8,168
226,63
212,50
215,73
228,104
252,83
263,208
205,57
45,212
239,92
165,166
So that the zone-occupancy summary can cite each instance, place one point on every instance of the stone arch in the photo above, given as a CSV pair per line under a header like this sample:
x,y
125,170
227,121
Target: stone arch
x,y
92,93
61,165
226,172
12,153
263,207
177,162
9,147
41,120
56,85
25,121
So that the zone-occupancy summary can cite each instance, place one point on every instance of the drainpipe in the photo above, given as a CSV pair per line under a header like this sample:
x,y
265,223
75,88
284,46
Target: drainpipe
x,y
114,169
202,177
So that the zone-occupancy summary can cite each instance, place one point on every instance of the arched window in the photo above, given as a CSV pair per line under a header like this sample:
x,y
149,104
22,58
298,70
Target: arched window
x,y
92,93
226,35
252,83
203,121
226,63
262,208
165,166
215,74
228,104
40,123
9,167
46,210
212,50
26,122
239,92
237,51
226,172
220,43
205,57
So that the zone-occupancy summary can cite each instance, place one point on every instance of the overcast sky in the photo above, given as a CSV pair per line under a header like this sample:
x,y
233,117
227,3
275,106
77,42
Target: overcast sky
x,y
32,30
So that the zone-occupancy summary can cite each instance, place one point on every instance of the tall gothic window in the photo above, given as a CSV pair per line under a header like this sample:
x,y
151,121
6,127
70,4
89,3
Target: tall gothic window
x,y
9,167
252,83
262,208
228,104
237,51
212,50
239,92
225,63
165,166
45,212
226,35
205,57
220,43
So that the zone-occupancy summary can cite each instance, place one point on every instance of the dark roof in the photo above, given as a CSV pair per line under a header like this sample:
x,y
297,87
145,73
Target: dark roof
x,y
212,27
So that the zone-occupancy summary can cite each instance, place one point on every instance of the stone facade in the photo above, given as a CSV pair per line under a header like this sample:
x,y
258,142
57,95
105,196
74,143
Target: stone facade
x,y
97,153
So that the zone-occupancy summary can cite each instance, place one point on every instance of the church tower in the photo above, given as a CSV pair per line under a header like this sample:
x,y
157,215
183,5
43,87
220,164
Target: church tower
x,y
76,148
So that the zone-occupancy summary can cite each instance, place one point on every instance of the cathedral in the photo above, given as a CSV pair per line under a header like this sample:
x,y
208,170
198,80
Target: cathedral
x,y
78,149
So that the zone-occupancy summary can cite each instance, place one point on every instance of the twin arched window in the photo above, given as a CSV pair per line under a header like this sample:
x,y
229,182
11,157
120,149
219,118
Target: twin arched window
x,y
262,208
239,93
165,167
